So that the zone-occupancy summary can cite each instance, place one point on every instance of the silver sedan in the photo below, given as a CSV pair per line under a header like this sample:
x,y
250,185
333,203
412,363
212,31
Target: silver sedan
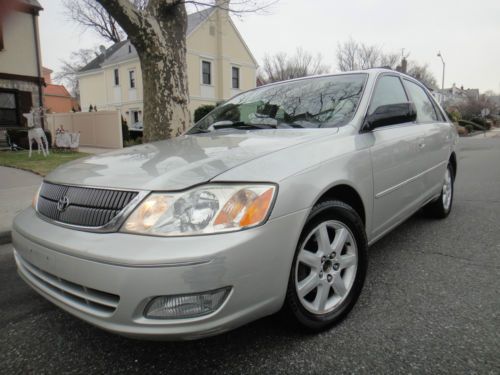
x,y
270,202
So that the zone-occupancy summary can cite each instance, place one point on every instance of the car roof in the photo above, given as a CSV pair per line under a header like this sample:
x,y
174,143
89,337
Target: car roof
x,y
369,71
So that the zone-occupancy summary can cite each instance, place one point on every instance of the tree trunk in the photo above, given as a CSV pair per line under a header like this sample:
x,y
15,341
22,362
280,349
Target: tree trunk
x,y
165,90
159,35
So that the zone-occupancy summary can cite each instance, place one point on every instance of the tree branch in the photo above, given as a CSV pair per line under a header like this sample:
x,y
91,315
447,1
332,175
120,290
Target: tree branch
x,y
125,13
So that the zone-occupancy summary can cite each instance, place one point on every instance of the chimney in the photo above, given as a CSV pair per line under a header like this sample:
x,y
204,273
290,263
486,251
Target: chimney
x,y
404,65
102,49
222,5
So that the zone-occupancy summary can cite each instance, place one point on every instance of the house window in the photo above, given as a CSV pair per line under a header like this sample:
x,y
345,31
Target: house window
x,y
235,72
8,109
131,75
206,72
117,77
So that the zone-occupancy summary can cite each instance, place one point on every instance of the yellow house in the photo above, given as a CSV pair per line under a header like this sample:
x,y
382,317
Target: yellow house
x,y
20,62
219,65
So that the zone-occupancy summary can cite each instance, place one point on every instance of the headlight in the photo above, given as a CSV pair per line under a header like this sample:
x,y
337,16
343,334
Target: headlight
x,y
202,210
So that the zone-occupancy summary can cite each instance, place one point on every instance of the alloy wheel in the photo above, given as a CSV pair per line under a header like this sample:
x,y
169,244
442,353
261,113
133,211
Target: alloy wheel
x,y
447,189
326,267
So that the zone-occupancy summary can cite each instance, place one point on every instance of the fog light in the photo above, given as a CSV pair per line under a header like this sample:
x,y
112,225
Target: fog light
x,y
186,305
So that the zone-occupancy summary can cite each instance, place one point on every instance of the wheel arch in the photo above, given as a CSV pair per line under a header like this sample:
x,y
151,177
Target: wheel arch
x,y
347,194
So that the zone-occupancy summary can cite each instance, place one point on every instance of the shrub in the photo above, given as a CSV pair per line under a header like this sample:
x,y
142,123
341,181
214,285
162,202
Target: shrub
x,y
133,142
471,124
469,128
20,137
125,132
461,130
202,111
483,122
454,115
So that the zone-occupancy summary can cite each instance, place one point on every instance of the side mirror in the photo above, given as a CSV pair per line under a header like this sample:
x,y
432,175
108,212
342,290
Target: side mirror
x,y
391,114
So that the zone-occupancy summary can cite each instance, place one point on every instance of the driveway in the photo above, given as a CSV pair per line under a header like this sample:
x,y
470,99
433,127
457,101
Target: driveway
x,y
431,304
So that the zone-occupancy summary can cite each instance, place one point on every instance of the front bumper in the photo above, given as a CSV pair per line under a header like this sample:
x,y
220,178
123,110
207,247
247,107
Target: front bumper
x,y
108,279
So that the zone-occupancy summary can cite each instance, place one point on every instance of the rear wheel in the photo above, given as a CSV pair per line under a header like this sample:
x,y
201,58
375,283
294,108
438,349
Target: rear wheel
x,y
441,207
329,266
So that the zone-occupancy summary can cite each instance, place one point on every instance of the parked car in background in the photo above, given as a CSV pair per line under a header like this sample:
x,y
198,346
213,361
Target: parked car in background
x,y
137,126
269,202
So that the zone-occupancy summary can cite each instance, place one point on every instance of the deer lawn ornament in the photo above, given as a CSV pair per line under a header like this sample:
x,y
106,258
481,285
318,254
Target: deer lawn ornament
x,y
35,131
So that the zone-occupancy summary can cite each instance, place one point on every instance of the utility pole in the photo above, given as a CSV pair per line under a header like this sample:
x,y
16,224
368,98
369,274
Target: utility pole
x,y
441,56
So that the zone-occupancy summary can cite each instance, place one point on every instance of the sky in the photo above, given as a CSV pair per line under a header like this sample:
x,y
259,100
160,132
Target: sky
x,y
466,32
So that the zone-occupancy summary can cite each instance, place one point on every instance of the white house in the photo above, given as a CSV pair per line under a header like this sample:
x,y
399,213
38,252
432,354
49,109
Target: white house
x,y
219,65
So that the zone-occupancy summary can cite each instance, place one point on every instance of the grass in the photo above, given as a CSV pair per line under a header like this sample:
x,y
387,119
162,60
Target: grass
x,y
38,163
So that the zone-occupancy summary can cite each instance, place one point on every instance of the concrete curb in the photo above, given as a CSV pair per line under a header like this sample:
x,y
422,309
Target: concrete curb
x,y
5,237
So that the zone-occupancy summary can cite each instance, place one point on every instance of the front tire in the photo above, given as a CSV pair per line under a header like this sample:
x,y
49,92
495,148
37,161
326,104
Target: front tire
x,y
441,207
329,266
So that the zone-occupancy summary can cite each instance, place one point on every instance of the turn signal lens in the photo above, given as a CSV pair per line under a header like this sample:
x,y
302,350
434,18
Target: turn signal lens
x,y
34,201
245,208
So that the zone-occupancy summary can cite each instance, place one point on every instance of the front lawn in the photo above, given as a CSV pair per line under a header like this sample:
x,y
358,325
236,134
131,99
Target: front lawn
x,y
38,163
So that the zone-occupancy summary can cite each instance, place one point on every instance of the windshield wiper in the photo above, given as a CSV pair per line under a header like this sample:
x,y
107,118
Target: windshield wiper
x,y
240,125
198,131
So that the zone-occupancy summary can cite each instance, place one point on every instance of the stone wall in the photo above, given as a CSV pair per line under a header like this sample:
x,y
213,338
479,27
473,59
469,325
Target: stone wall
x,y
22,86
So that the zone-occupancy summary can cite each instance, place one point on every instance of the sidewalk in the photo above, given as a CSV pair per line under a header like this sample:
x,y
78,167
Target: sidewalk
x,y
493,133
16,192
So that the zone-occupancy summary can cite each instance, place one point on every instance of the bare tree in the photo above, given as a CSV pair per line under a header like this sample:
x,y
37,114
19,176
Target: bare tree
x,y
352,55
422,73
281,67
90,15
77,60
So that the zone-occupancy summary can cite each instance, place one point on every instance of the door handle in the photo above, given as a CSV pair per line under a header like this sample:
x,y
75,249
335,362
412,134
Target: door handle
x,y
421,145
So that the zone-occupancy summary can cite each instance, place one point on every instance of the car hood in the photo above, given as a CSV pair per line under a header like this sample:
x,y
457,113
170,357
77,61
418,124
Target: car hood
x,y
181,162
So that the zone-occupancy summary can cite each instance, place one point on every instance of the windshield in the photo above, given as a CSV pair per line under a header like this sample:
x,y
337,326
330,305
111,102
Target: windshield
x,y
321,102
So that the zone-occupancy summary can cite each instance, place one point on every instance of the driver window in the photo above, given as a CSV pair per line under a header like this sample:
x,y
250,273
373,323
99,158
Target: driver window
x,y
389,90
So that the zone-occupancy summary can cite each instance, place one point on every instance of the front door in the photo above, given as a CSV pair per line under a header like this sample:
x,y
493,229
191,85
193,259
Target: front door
x,y
396,162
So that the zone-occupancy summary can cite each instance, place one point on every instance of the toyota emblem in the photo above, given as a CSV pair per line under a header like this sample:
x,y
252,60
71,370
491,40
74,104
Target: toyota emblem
x,y
62,204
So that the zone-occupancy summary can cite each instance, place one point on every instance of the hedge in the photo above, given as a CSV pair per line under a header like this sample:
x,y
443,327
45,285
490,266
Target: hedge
x,y
202,111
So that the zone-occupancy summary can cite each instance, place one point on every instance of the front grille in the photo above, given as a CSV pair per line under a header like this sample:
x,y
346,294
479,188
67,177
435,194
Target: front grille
x,y
78,296
88,207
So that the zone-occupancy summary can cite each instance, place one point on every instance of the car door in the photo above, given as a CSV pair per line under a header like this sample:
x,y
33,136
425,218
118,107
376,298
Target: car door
x,y
435,145
395,154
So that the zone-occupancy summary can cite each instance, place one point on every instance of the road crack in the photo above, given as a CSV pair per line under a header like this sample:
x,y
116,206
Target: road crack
x,y
470,261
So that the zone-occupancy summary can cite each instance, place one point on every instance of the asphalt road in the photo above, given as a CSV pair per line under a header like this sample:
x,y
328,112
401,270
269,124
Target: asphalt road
x,y
431,304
